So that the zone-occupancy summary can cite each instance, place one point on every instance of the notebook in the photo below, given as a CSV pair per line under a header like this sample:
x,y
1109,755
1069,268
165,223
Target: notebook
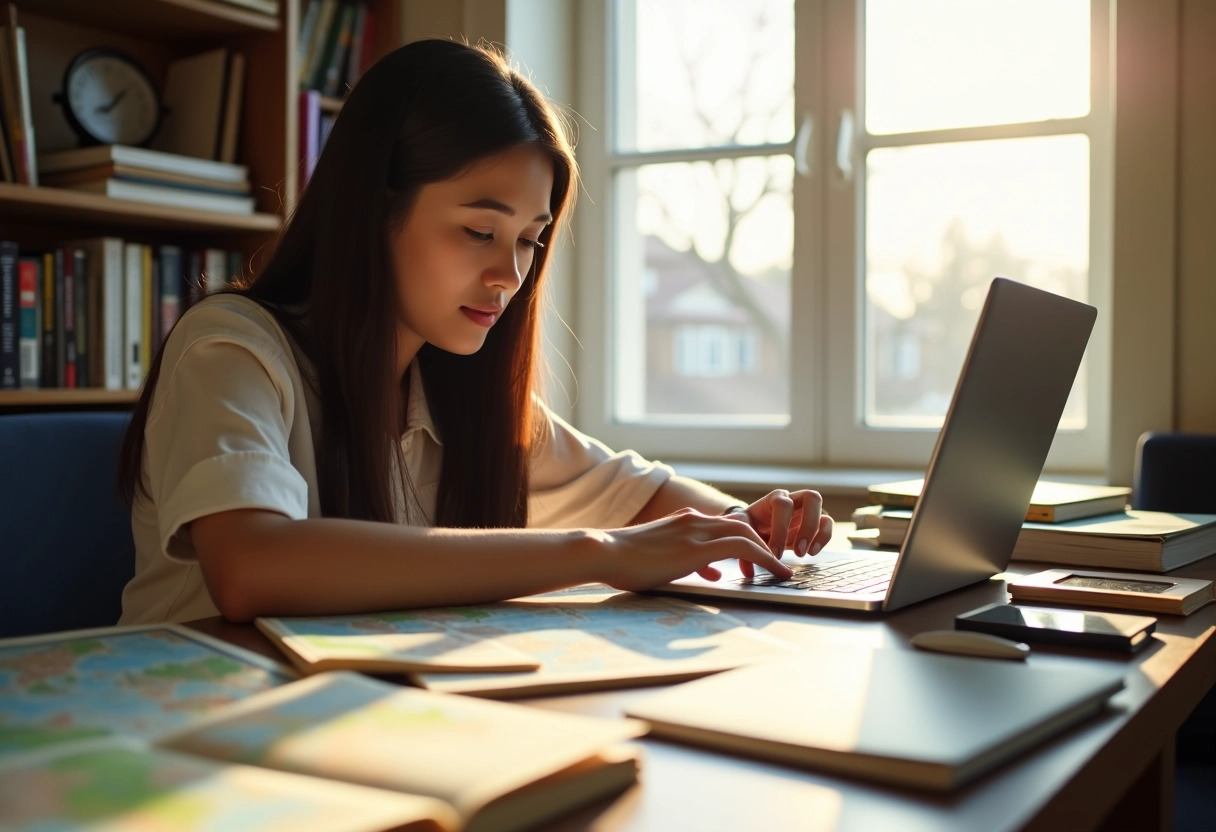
x,y
1024,356
889,715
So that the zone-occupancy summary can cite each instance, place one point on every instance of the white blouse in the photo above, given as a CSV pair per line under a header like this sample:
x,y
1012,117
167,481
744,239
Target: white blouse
x,y
232,425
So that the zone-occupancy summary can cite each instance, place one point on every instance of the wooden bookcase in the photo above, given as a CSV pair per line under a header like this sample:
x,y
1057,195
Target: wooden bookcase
x,y
155,32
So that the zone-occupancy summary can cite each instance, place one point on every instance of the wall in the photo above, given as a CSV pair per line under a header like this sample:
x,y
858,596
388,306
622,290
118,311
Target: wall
x,y
1195,332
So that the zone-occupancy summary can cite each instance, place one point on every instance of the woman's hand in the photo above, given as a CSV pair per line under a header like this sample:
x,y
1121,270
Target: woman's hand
x,y
788,520
649,554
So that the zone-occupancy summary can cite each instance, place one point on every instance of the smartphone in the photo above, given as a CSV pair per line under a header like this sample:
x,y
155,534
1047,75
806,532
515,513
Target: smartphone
x,y
1048,625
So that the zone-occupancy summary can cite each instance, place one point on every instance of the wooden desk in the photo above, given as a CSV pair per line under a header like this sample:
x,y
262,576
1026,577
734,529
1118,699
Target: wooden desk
x,y
1114,772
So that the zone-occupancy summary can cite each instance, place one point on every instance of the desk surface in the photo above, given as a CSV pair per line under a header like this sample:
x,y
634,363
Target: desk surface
x,y
1117,765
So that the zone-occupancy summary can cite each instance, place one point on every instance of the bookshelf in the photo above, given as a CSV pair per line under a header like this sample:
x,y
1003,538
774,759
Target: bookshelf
x,y
156,32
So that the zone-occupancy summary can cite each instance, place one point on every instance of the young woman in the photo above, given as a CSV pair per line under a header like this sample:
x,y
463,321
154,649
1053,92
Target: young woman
x,y
356,428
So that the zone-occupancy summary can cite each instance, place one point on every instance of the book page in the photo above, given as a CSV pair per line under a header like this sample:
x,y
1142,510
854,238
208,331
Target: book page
x,y
139,681
346,726
121,784
594,637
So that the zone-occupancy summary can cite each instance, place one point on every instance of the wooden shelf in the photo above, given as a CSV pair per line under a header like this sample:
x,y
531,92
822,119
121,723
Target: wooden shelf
x,y
60,204
176,19
62,397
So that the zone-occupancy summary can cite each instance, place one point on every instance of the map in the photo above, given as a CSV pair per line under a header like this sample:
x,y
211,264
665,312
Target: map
x,y
119,785
132,681
589,636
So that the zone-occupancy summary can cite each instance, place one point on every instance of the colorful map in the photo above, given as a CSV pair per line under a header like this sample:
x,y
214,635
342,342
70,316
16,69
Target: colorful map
x,y
138,682
119,786
588,635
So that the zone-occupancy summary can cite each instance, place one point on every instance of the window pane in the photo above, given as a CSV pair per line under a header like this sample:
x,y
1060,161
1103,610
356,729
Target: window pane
x,y
701,292
942,221
935,64
703,73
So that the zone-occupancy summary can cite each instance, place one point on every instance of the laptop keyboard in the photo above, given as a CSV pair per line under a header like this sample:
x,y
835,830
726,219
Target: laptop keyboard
x,y
864,574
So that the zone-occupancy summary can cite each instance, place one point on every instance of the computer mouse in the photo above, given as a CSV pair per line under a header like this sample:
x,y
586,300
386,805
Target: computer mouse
x,y
968,643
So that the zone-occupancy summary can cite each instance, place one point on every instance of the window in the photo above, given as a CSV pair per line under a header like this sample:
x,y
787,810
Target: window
x,y
797,205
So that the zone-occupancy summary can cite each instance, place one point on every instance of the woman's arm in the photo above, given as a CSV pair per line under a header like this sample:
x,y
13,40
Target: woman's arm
x,y
261,563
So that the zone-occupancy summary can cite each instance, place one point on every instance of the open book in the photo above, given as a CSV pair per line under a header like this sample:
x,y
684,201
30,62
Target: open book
x,y
137,681
353,752
895,716
584,638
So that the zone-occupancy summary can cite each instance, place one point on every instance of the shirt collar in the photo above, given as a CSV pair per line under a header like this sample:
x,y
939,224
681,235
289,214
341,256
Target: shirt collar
x,y
417,411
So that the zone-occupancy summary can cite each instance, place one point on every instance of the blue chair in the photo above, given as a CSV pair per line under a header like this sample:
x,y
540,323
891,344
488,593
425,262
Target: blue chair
x,y
1177,472
66,550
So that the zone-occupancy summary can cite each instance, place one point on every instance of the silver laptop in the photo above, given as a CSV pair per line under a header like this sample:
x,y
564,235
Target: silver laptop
x,y
1007,405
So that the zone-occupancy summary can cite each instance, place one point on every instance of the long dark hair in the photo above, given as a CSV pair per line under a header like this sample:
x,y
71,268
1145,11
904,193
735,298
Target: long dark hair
x,y
424,113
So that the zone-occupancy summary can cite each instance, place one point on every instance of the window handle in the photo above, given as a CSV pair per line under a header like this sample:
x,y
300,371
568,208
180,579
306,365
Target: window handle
x,y
844,146
802,145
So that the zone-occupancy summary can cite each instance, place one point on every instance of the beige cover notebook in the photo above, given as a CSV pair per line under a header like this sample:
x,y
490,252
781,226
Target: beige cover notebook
x,y
896,716
1051,502
498,766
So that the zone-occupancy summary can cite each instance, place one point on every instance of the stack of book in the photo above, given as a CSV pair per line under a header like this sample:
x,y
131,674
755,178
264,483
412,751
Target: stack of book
x,y
1067,523
144,175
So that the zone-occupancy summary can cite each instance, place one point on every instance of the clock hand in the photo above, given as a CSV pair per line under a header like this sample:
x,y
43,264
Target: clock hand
x,y
105,108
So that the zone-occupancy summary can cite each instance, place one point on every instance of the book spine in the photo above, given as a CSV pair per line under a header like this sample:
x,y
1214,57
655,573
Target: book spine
x,y
146,296
21,68
49,321
133,303
29,280
111,314
332,79
10,349
170,288
67,294
84,374
310,133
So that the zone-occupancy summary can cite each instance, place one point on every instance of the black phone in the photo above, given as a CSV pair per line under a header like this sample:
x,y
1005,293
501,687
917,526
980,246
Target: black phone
x,y
1047,625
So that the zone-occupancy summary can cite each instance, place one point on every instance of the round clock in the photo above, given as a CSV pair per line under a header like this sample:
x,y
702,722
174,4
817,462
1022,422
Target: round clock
x,y
109,98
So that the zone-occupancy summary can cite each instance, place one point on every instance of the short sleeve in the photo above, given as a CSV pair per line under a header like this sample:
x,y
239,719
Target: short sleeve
x,y
578,482
217,435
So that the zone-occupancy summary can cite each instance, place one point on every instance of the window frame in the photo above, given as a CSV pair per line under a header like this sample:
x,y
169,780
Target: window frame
x,y
824,395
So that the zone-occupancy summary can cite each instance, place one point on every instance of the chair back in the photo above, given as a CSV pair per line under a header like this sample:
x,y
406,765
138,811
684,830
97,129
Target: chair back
x,y
66,550
1175,472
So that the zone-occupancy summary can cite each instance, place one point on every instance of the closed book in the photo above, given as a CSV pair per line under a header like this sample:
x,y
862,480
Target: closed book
x,y
897,716
1136,540
81,299
234,96
172,279
1051,502
48,323
10,344
29,291
105,310
1114,590
65,274
194,95
173,196
133,337
143,158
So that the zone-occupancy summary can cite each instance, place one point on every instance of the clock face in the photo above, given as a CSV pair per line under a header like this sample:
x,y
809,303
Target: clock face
x,y
110,99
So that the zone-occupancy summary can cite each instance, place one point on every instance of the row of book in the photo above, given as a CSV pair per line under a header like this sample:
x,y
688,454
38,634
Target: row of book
x,y
93,312
315,124
334,44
